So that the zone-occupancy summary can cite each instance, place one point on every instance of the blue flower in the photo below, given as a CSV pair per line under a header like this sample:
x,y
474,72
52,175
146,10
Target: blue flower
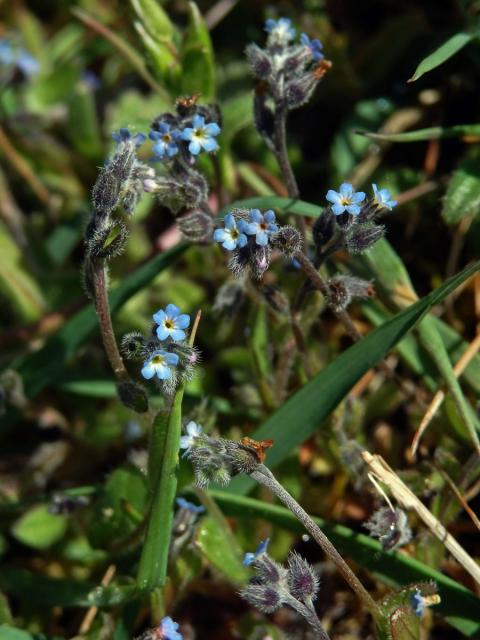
x,y
231,237
260,226
27,64
165,141
201,135
382,198
124,135
159,364
249,558
168,630
315,46
281,31
193,430
171,323
7,56
418,603
345,200
189,506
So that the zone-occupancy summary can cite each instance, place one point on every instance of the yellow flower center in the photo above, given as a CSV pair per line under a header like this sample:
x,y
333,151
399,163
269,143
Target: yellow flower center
x,y
345,200
167,137
158,360
199,133
169,324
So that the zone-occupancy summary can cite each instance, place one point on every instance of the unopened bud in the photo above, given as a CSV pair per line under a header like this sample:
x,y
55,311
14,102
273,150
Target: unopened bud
x,y
343,289
133,396
324,228
229,299
196,226
303,582
360,238
299,90
259,61
390,527
266,598
288,240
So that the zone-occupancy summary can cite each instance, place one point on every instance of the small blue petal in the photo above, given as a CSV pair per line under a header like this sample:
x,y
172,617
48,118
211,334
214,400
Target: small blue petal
x,y
162,332
338,209
261,238
177,334
182,321
172,310
353,209
194,147
269,216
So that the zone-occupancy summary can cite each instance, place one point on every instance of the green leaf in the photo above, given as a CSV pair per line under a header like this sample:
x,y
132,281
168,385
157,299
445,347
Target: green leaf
x,y
458,605
111,522
47,365
314,402
38,528
431,133
442,54
62,592
463,193
162,473
156,21
220,549
198,69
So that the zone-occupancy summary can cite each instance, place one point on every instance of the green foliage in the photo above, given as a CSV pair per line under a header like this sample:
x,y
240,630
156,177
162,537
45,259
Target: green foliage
x,y
442,54
463,193
39,529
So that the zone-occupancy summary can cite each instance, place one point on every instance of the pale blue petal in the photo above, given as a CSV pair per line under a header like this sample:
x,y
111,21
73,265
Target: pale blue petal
x,y
229,244
163,372
256,216
272,228
219,235
229,221
162,333
172,310
357,197
187,133
353,209
242,240
210,144
194,147
177,335
148,371
170,358
250,228
269,216
154,135
184,442
261,238
338,209
346,189
182,321
212,129
198,121
160,316
248,559
333,197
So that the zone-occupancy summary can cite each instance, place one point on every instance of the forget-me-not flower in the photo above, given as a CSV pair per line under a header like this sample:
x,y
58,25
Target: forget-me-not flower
x,y
260,225
201,135
382,197
168,630
249,558
193,430
171,323
346,199
159,364
315,46
281,30
165,141
231,237
124,135
189,506
418,603
11,56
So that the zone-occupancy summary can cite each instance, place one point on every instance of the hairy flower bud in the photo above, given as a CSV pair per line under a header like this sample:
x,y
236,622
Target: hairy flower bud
x,y
324,228
266,598
361,237
275,298
107,189
303,582
133,396
196,226
299,90
259,260
288,240
229,299
268,571
132,345
106,239
259,61
343,289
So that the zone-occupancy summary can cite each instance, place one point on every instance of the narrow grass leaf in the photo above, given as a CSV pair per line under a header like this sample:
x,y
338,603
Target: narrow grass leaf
x,y
442,54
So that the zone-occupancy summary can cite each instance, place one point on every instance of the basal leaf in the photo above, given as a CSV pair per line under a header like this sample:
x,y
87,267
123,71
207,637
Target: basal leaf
x,y
463,193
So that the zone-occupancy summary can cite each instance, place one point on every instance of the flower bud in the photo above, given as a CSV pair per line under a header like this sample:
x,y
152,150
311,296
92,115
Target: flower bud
x,y
101,244
360,238
343,289
106,190
196,226
303,582
229,299
259,61
264,597
299,90
132,345
133,396
259,260
324,228
288,240
390,527
268,571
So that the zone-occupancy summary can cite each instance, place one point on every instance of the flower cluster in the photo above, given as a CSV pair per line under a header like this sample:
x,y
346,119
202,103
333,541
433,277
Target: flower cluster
x,y
250,236
288,72
14,58
217,459
349,222
168,359
274,585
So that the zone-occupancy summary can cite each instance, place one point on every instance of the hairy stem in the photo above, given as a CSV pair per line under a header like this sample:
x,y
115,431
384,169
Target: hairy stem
x,y
310,616
264,476
102,308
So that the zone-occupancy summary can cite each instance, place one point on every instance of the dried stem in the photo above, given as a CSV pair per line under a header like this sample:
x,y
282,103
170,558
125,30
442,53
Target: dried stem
x,y
102,308
264,476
